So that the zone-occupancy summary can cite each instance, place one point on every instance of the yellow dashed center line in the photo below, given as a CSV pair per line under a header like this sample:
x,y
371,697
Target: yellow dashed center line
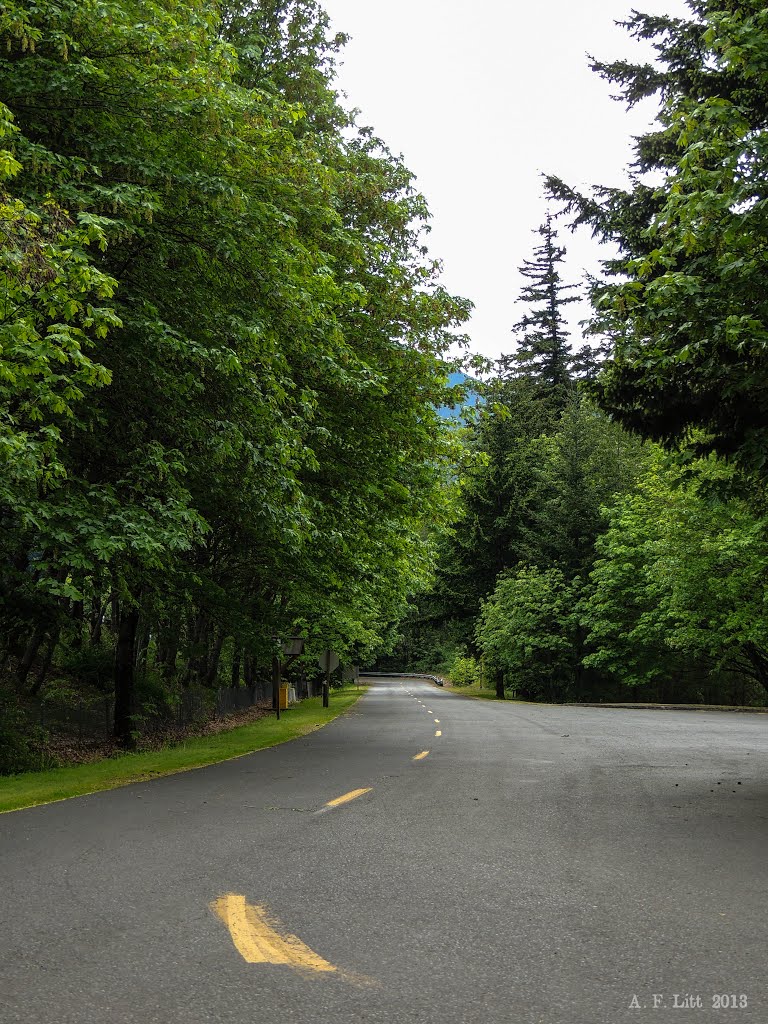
x,y
439,733
352,795
421,756
437,721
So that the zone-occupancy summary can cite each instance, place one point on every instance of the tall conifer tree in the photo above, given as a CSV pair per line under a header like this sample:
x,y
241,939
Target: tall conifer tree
x,y
544,352
684,303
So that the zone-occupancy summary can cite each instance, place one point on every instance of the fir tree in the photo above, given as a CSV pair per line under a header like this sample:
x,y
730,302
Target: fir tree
x,y
684,303
544,353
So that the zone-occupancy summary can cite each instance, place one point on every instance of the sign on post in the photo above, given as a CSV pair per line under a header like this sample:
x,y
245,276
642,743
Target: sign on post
x,y
328,662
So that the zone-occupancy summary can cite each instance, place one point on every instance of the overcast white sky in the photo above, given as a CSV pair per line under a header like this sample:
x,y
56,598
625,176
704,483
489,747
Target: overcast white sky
x,y
480,98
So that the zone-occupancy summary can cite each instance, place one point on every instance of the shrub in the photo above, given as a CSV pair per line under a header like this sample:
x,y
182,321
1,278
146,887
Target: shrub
x,y
17,749
464,672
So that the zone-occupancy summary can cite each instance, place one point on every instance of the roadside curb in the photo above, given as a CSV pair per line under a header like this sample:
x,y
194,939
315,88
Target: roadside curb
x,y
668,707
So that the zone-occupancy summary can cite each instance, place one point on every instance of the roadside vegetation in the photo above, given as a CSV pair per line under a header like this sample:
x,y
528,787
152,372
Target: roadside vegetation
x,y
222,349
224,345
612,538
478,690
38,787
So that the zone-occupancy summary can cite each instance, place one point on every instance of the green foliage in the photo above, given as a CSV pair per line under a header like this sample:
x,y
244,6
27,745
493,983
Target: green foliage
x,y
223,346
585,562
17,746
527,631
577,469
684,304
543,460
543,353
464,671
28,790
491,529
52,314
679,585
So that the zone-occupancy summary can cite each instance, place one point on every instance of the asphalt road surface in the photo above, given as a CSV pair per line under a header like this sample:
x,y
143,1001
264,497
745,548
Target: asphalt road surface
x,y
541,865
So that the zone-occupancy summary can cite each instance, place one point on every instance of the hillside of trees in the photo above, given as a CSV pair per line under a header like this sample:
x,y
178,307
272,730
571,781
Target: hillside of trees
x,y
221,354
224,348
612,541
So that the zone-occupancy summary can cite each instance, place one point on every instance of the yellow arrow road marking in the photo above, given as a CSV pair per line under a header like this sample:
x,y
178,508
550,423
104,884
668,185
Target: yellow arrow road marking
x,y
352,795
421,756
260,939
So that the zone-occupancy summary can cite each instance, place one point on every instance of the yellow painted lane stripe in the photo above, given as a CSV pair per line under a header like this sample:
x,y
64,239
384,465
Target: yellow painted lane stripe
x,y
439,732
260,939
437,721
352,795
421,756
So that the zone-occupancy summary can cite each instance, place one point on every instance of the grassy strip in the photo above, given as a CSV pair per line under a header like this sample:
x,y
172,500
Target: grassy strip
x,y
475,690
32,788
483,693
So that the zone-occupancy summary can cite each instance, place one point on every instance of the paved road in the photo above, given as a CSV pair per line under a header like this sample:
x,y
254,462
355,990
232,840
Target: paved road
x,y
539,865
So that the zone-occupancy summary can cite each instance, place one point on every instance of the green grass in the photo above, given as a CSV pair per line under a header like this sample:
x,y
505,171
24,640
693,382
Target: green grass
x,y
32,788
476,690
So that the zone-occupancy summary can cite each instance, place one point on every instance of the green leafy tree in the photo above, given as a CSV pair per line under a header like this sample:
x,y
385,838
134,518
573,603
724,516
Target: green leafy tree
x,y
464,672
533,496
527,633
52,315
678,595
267,452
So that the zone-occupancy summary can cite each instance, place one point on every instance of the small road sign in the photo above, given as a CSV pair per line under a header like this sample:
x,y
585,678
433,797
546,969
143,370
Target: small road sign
x,y
328,661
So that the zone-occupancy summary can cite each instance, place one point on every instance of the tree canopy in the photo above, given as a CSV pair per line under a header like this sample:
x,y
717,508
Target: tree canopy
x,y
684,304
222,346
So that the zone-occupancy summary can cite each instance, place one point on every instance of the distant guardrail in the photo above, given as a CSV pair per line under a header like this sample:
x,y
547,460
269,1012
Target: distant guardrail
x,y
438,680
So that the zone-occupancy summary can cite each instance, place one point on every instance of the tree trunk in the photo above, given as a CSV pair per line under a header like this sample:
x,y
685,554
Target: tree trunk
x,y
248,670
29,655
198,641
500,686
42,672
212,669
168,638
125,660
98,611
235,677
142,648
77,615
